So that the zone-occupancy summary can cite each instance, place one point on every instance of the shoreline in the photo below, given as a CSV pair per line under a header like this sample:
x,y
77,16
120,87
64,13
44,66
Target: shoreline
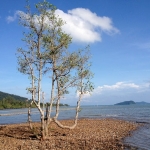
x,y
140,137
89,133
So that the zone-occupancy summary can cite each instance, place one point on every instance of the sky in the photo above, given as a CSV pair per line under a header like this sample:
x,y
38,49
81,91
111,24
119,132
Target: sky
x,y
118,32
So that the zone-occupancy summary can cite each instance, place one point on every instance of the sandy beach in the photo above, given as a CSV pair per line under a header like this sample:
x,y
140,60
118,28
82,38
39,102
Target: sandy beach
x,y
90,134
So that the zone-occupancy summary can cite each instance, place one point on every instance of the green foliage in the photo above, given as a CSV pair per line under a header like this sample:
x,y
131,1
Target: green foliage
x,y
16,97
61,104
11,103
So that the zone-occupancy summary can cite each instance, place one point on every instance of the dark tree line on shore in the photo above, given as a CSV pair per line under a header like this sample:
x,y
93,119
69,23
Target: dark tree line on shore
x,y
12,103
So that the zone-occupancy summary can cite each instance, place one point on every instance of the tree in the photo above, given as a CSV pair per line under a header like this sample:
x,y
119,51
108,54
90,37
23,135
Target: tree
x,y
47,53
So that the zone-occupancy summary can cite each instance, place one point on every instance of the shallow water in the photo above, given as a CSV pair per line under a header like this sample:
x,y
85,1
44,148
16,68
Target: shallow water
x,y
140,138
135,113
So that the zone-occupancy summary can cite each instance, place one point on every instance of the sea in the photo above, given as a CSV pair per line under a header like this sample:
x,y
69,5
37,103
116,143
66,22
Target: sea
x,y
134,113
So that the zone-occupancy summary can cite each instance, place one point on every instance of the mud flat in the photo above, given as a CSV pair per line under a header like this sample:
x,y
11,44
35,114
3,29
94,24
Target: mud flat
x,y
101,134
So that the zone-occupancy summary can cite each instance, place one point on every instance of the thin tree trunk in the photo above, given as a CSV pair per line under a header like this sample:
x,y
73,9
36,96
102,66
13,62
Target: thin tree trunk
x,y
76,117
29,116
52,97
49,108
58,100
43,137
46,121
77,109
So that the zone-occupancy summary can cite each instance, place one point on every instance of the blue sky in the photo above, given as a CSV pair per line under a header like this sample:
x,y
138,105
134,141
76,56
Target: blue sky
x,y
118,32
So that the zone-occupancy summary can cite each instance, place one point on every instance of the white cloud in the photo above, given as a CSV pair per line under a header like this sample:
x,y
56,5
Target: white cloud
x,y
119,89
82,24
108,94
118,92
86,26
112,94
119,86
10,19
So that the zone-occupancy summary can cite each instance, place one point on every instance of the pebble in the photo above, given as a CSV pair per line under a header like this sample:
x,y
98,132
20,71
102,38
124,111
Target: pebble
x,y
89,134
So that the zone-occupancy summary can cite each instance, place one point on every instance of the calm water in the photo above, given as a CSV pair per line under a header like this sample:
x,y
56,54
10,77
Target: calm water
x,y
135,113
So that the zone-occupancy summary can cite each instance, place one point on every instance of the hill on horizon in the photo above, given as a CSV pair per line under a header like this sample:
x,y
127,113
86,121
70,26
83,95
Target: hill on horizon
x,y
126,103
17,97
131,103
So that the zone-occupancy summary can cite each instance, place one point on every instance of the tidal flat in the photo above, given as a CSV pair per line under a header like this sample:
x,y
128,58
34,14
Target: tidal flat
x,y
102,134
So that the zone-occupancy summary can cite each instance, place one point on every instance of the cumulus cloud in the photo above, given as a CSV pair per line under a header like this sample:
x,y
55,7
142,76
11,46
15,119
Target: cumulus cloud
x,y
117,89
86,26
119,86
120,91
82,24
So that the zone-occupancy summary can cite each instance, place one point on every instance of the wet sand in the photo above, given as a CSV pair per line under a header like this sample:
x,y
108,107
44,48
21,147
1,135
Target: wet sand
x,y
96,134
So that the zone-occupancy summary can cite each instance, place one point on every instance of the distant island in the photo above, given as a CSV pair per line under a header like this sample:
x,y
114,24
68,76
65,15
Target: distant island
x,y
132,103
10,101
